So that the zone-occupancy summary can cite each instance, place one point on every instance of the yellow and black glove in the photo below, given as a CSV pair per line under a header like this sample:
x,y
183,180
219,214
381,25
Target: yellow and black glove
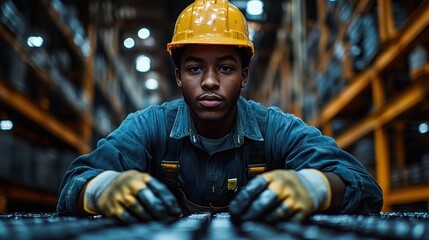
x,y
130,196
280,195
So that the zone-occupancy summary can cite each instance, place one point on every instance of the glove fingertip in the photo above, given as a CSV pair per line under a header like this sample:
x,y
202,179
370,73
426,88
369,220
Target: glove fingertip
x,y
169,202
153,183
232,209
177,211
127,217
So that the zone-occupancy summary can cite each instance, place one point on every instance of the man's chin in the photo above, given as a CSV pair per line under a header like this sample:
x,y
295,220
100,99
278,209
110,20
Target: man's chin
x,y
210,119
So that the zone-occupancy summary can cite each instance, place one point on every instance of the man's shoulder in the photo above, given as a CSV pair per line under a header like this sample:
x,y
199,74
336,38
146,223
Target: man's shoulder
x,y
258,108
249,103
263,112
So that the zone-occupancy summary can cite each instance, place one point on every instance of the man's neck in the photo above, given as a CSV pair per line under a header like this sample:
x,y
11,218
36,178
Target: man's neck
x,y
215,129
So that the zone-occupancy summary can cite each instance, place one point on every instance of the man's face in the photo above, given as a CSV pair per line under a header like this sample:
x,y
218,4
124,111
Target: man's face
x,y
211,78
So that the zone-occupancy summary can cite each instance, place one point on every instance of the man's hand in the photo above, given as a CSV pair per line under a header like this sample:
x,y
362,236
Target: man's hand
x,y
280,195
134,196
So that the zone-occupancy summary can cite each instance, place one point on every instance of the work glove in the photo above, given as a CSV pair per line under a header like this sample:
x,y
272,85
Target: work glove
x,y
280,195
132,196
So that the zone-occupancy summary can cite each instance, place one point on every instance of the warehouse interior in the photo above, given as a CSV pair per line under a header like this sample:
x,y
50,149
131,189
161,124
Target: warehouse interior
x,y
357,70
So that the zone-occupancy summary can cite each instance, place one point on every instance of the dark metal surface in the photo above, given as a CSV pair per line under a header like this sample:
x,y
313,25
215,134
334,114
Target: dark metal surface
x,y
394,225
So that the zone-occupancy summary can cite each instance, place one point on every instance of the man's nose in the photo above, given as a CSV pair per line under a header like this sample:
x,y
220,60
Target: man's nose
x,y
210,80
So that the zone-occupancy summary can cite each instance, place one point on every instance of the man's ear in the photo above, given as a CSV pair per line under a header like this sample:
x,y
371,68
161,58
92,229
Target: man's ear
x,y
244,77
178,75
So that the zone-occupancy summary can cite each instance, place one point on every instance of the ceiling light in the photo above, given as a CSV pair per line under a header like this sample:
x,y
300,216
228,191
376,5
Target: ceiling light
x,y
143,33
424,128
6,125
129,43
255,7
35,41
151,84
142,63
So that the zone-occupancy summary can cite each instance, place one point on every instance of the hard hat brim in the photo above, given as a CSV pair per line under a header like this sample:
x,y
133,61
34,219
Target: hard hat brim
x,y
211,41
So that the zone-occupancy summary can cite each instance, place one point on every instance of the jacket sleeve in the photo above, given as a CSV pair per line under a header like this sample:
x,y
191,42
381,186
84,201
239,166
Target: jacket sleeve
x,y
300,146
124,148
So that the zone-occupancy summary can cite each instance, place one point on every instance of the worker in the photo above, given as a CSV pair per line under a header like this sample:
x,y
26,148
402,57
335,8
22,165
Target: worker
x,y
213,150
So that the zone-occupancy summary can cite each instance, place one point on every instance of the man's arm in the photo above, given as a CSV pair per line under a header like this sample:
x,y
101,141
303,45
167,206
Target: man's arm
x,y
123,149
305,147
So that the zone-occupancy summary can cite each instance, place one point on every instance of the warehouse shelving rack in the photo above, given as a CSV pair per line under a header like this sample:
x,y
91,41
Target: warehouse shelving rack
x,y
386,111
47,117
370,105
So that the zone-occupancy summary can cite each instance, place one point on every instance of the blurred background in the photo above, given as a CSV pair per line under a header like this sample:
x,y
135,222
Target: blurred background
x,y
71,70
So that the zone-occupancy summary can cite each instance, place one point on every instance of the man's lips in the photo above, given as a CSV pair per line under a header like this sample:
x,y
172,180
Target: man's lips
x,y
210,101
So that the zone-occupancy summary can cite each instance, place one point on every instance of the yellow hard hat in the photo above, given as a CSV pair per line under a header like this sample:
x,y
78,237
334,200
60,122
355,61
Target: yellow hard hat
x,y
211,22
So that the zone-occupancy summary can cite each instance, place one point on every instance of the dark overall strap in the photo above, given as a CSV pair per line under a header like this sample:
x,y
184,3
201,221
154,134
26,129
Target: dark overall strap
x,y
170,164
257,163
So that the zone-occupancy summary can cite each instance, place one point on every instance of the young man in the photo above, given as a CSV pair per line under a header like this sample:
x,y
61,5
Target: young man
x,y
213,150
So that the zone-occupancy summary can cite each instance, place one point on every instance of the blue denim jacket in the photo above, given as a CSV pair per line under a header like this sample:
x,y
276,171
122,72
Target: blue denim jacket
x,y
140,143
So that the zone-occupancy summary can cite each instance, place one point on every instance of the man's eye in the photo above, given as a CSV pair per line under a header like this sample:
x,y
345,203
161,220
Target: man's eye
x,y
225,69
193,69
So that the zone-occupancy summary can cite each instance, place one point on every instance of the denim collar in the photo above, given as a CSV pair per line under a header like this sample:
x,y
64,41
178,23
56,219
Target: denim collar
x,y
246,125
